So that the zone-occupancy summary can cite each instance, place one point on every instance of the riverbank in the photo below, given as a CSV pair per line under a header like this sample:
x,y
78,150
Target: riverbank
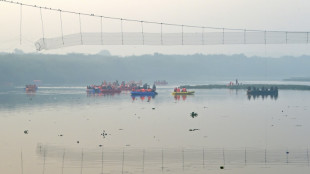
x,y
245,86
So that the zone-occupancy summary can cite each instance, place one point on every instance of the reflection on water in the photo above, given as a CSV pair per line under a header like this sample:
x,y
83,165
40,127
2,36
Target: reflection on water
x,y
100,94
143,97
171,160
63,123
263,97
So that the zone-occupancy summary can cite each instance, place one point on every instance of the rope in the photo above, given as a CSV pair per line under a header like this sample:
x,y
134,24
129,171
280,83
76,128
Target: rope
x,y
42,25
62,34
81,29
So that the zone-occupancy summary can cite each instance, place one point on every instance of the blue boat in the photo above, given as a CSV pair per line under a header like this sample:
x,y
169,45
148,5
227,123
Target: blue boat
x,y
147,93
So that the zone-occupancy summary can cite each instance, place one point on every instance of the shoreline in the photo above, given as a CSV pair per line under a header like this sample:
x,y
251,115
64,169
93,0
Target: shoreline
x,y
245,86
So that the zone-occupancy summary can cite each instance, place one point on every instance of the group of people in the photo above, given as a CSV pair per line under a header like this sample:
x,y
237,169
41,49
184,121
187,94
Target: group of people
x,y
177,89
145,88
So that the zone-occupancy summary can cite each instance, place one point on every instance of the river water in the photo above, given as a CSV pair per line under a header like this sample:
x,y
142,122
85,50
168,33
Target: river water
x,y
62,129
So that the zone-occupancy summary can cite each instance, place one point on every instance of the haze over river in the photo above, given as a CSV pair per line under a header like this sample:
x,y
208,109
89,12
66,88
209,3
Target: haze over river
x,y
65,130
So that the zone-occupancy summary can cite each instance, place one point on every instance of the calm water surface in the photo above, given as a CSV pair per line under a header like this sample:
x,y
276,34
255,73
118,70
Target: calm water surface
x,y
153,135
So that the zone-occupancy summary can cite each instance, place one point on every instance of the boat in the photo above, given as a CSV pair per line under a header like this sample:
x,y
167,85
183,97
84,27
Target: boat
x,y
31,88
184,93
102,89
112,90
273,91
145,93
250,92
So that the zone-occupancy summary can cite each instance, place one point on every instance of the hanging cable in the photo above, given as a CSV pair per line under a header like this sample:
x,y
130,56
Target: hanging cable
x,y
142,33
122,31
62,34
20,24
81,29
101,29
42,25
134,20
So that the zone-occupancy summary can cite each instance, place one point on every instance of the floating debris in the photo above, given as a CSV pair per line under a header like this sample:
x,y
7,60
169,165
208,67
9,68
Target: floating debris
x,y
100,145
60,135
193,114
26,132
193,129
153,108
221,167
78,142
104,134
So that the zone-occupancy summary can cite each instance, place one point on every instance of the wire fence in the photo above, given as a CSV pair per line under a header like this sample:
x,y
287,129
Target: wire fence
x,y
138,160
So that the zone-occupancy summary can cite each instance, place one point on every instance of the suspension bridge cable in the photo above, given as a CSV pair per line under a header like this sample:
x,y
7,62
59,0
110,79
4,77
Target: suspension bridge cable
x,y
42,25
122,31
62,33
161,33
142,33
136,20
214,36
81,29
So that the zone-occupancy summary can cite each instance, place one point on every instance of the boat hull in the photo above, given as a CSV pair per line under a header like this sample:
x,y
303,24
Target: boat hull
x,y
152,93
262,92
184,93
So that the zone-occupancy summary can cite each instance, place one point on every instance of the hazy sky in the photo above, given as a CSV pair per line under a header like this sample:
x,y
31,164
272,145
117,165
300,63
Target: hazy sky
x,y
290,15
